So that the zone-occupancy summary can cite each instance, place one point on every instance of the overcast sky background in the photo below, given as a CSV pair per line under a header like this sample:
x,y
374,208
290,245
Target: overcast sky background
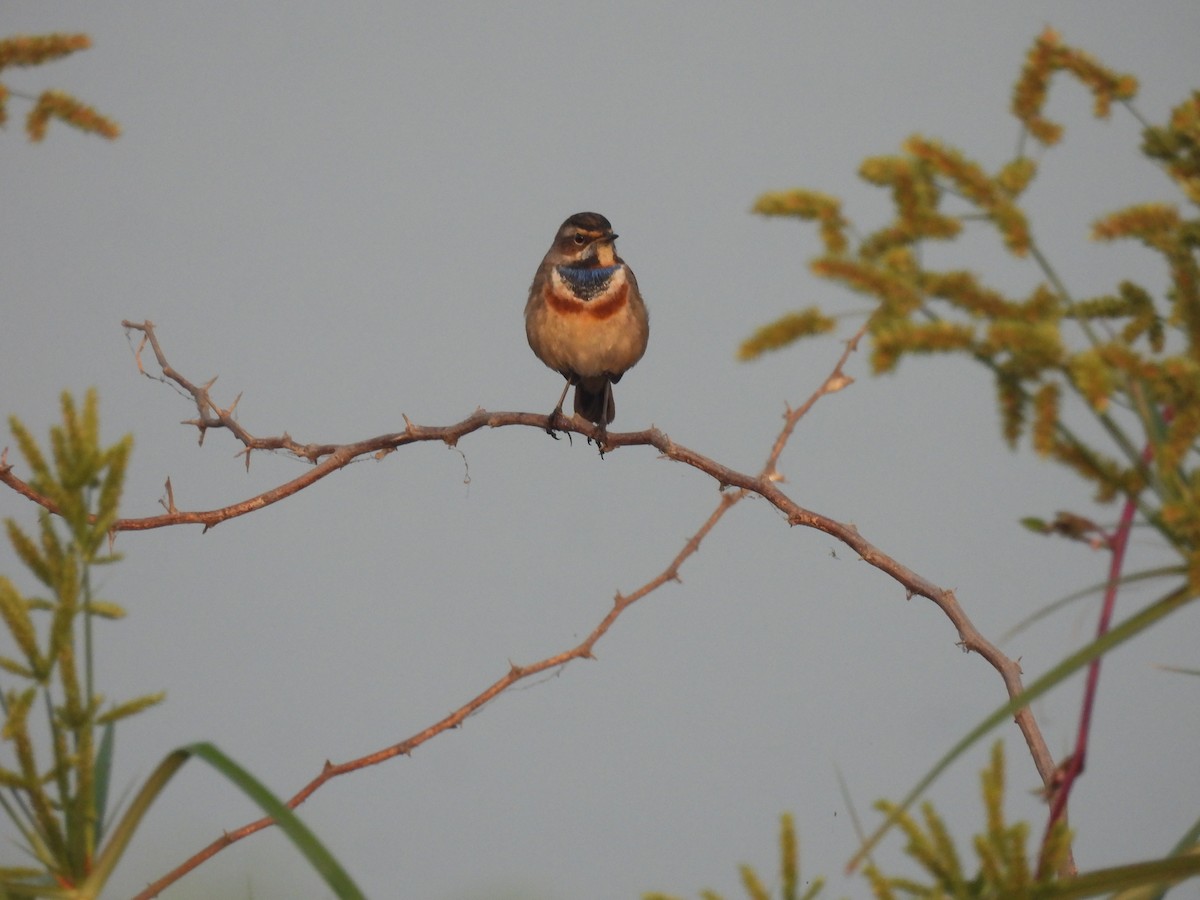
x,y
338,210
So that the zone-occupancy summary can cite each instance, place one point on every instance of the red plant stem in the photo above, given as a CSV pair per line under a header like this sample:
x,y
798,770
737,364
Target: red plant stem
x,y
1117,544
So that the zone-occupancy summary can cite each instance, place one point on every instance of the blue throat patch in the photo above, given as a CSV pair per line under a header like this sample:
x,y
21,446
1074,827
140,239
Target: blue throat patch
x,y
587,283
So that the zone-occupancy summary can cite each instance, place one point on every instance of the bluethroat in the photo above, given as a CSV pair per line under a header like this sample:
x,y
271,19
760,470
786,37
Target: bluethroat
x,y
585,318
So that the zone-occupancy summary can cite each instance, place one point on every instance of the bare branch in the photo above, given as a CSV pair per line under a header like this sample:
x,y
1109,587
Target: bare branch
x,y
515,673
329,458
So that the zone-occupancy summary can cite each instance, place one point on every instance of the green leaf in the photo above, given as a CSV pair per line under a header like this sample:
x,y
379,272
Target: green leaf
x,y
103,775
306,842
1179,670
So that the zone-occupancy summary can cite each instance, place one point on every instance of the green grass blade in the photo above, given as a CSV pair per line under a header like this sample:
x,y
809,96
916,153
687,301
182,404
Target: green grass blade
x,y
1105,881
306,842
104,761
1133,625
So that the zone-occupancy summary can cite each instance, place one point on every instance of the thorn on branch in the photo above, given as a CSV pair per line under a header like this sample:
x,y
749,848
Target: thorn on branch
x,y
1057,780
137,355
837,382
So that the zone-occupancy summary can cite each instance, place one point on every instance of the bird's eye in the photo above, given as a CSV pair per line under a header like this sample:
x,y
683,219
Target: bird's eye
x,y
580,240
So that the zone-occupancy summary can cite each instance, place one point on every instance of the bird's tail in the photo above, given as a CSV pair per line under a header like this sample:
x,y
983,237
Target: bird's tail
x,y
590,402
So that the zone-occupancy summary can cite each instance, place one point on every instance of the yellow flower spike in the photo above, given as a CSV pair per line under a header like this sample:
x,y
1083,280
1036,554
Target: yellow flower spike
x,y
1029,93
58,105
976,186
784,331
963,290
1045,418
1183,375
33,50
901,261
899,337
969,177
1031,347
1147,221
1041,302
1016,175
808,205
895,292
1049,55
880,243
1186,117
1181,436
1177,146
878,169
1094,379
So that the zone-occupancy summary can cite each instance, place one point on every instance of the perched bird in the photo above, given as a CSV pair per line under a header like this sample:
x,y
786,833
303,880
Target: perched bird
x,y
585,318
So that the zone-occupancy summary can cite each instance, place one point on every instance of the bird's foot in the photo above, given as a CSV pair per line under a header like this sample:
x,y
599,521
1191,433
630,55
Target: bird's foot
x,y
550,422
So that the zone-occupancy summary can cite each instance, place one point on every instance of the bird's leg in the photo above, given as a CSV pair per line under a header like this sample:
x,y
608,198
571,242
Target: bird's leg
x,y
602,425
558,411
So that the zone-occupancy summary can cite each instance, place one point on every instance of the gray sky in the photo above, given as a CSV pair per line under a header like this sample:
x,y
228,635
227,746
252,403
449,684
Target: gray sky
x,y
338,209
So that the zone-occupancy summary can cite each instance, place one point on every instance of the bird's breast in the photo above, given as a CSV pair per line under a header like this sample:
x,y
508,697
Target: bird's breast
x,y
588,338
596,293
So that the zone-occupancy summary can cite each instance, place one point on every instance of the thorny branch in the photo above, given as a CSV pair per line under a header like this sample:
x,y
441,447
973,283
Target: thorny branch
x,y
327,458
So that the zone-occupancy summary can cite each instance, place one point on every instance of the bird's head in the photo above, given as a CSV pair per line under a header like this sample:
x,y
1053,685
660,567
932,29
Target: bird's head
x,y
585,240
